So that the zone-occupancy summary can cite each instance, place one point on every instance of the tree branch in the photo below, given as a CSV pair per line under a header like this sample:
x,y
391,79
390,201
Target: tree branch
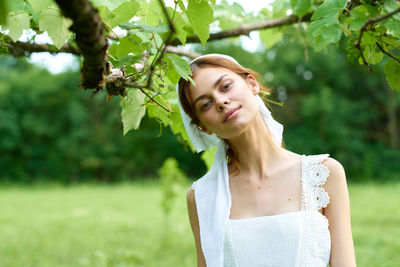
x,y
182,52
89,37
370,21
19,49
246,29
118,88
96,72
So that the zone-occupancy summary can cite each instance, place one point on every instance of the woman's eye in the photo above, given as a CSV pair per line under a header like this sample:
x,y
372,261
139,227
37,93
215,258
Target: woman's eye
x,y
226,86
205,105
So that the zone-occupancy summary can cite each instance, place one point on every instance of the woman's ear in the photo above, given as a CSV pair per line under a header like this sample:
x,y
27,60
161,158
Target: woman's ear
x,y
254,86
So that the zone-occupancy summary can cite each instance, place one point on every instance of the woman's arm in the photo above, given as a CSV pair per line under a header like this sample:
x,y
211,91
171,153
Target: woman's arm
x,y
338,215
194,223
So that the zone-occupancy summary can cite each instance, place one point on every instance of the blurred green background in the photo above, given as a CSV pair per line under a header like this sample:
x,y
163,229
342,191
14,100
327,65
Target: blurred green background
x,y
52,130
75,192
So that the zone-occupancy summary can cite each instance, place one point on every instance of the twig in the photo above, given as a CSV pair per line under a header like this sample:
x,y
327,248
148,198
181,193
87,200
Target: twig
x,y
387,53
357,44
349,34
162,51
152,99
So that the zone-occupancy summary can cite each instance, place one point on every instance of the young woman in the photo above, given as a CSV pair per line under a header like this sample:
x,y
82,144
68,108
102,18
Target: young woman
x,y
260,204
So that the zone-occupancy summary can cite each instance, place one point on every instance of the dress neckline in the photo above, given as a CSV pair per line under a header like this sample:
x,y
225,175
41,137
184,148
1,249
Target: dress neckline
x,y
298,212
293,213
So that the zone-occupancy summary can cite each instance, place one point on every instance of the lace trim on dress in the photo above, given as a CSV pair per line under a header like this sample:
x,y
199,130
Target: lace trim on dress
x,y
316,236
316,174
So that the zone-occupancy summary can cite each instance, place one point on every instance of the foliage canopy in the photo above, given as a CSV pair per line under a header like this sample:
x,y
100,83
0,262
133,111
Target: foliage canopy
x,y
142,64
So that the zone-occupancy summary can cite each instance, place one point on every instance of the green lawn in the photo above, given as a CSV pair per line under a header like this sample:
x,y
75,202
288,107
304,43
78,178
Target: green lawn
x,y
123,225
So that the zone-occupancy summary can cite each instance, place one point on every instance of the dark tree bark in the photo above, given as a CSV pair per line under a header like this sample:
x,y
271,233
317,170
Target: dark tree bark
x,y
89,37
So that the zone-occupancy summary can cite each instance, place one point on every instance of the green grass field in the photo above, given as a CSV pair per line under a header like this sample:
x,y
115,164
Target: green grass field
x,y
123,225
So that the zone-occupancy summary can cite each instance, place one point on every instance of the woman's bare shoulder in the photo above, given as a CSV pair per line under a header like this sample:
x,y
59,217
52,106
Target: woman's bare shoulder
x,y
336,183
336,171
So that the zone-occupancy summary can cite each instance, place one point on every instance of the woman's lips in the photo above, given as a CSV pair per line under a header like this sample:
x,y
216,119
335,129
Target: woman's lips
x,y
230,114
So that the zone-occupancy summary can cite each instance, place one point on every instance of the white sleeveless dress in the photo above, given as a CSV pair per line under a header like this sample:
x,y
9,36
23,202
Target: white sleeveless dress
x,y
300,238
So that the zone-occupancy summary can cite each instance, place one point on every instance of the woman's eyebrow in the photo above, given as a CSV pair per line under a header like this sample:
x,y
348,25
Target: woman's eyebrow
x,y
219,80
199,98
214,85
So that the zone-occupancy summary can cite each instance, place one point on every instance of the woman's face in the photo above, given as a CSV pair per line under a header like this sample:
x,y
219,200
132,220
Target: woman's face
x,y
224,102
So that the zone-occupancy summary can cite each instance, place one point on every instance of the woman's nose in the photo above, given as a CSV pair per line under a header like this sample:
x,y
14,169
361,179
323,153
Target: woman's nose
x,y
222,103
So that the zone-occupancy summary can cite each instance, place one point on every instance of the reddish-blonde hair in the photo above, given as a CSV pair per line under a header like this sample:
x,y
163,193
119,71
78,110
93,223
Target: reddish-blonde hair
x,y
187,101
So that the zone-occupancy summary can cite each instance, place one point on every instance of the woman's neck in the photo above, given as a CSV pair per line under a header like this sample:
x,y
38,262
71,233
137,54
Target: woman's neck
x,y
256,149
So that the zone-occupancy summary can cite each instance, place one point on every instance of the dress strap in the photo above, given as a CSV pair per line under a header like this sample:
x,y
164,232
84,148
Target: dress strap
x,y
314,226
314,175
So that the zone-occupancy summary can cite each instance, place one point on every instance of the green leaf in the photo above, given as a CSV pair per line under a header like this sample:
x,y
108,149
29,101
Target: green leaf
x,y
133,109
200,16
107,16
300,7
359,15
357,18
182,6
371,51
110,4
181,66
391,43
17,6
329,10
3,12
353,54
16,24
325,28
372,55
113,49
144,27
128,44
392,26
180,31
126,60
38,5
172,74
55,24
392,71
155,111
179,25
125,12
229,15
172,119
391,5
279,8
324,35
271,36
151,12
